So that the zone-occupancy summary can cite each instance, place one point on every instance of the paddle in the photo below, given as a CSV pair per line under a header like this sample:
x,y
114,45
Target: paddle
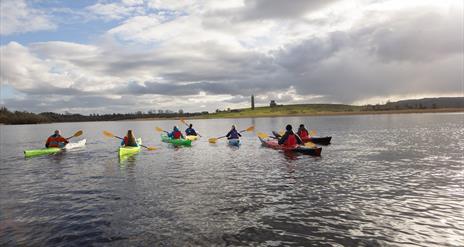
x,y
186,124
214,139
265,136
78,133
109,134
161,130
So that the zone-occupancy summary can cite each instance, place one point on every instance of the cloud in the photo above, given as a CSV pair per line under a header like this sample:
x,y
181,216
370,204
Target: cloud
x,y
17,17
177,55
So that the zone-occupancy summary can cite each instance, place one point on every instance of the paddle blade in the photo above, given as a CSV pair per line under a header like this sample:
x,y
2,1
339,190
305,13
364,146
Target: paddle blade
x,y
263,135
108,134
312,133
78,133
159,129
151,148
281,133
310,145
212,140
183,121
251,128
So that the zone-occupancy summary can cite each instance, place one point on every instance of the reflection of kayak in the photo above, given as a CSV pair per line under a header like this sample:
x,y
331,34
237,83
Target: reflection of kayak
x,y
43,151
316,140
192,138
127,151
234,142
297,148
176,142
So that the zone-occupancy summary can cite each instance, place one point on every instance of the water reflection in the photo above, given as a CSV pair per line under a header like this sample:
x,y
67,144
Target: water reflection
x,y
383,181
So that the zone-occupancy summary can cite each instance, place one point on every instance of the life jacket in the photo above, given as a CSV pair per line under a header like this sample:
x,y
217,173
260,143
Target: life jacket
x,y
291,141
303,133
176,135
56,141
126,142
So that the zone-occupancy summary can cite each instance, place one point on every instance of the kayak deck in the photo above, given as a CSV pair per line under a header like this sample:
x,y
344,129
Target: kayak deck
x,y
176,142
234,142
192,138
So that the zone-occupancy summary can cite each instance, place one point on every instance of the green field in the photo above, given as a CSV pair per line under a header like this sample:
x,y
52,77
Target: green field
x,y
288,110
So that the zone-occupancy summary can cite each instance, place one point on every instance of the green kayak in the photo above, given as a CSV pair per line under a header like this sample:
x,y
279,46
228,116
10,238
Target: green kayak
x,y
176,142
44,151
127,151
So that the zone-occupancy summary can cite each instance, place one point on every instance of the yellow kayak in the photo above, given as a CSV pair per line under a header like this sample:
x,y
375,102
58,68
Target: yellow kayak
x,y
192,138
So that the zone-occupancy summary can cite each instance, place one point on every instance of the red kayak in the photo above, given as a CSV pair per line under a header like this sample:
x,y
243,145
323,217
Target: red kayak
x,y
316,140
297,148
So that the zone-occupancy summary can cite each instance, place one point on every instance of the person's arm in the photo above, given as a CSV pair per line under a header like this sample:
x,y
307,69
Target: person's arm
x,y
47,142
228,134
283,139
298,140
239,134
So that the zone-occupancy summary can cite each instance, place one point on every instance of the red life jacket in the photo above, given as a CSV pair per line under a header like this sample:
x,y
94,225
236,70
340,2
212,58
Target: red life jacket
x,y
291,141
176,135
126,141
54,142
303,134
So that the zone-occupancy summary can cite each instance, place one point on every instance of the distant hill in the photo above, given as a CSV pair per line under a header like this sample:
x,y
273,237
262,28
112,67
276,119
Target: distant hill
x,y
427,103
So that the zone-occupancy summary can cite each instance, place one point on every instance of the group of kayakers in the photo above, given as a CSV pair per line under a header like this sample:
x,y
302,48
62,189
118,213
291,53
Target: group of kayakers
x,y
292,139
288,139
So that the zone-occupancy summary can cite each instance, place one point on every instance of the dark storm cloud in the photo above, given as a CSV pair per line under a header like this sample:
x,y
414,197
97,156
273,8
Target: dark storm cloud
x,y
275,9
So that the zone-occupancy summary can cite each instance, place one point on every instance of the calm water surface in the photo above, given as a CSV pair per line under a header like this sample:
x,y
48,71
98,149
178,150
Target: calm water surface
x,y
385,180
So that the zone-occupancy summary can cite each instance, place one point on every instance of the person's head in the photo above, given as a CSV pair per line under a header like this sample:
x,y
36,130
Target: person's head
x,y
190,125
175,128
301,126
130,133
57,132
233,126
131,138
288,127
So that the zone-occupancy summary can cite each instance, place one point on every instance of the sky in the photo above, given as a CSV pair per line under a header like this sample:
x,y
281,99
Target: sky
x,y
201,55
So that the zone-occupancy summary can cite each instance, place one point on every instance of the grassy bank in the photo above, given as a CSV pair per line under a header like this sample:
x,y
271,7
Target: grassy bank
x,y
316,110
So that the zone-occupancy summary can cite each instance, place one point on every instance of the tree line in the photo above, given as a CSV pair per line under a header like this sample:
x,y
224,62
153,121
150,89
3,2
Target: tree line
x,y
24,117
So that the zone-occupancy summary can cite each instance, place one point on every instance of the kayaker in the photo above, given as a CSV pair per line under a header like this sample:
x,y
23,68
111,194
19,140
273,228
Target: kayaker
x,y
233,133
176,134
56,140
289,138
190,131
302,132
129,140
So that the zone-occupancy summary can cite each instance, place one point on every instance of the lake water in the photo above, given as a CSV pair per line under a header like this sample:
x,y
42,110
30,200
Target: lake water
x,y
384,180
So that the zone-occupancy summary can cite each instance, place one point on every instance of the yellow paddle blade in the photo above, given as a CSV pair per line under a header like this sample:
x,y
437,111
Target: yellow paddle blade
x,y
78,133
310,145
159,129
312,133
263,135
108,134
281,132
151,148
251,128
183,121
212,140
